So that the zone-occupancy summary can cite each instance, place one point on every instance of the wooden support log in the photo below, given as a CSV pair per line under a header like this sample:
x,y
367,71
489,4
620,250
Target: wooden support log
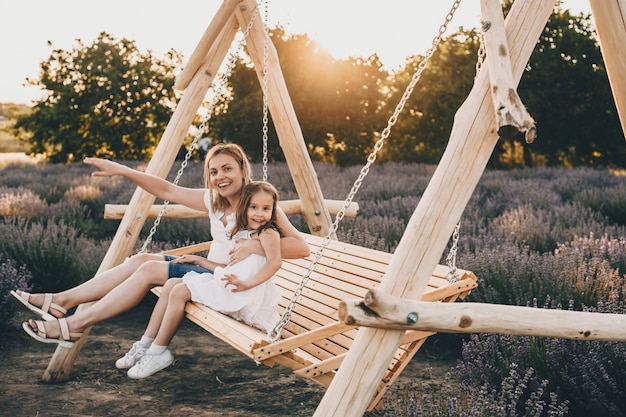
x,y
177,211
610,22
385,311
511,115
221,19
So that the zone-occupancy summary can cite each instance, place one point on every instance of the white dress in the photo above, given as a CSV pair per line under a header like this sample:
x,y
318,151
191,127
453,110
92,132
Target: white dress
x,y
221,244
256,306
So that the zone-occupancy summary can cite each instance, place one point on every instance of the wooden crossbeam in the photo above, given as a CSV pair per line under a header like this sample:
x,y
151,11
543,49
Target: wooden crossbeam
x,y
399,313
117,211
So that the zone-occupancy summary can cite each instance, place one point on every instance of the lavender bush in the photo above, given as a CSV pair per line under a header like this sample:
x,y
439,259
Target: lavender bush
x,y
11,277
515,396
589,375
56,254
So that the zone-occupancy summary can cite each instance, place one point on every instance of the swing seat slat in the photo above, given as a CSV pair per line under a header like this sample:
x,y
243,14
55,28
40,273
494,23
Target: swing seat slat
x,y
314,343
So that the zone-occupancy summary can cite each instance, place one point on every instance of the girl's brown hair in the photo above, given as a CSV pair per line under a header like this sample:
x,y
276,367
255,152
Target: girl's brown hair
x,y
237,153
241,217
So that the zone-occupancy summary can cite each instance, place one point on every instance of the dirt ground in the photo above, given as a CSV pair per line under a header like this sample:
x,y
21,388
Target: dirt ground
x,y
208,378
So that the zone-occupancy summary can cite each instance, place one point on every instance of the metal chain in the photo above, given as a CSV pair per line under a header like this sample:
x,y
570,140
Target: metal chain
x,y
485,25
233,54
276,332
452,275
266,35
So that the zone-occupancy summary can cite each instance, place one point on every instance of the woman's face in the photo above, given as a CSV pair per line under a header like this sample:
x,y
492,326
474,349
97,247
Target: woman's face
x,y
225,175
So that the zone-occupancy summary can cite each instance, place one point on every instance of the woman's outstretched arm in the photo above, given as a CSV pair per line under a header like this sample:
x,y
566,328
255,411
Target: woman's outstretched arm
x,y
190,197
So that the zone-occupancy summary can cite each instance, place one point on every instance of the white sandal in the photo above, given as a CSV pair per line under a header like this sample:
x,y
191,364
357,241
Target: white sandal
x,y
65,336
44,310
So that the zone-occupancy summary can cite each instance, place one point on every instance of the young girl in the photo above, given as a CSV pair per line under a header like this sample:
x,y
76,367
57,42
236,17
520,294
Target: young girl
x,y
124,286
244,291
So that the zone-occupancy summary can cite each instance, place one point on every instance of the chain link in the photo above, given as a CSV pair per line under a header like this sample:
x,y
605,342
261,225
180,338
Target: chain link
x,y
266,35
485,25
233,54
276,332
453,275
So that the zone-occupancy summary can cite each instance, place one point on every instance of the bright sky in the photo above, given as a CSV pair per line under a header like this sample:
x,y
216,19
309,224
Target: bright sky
x,y
394,29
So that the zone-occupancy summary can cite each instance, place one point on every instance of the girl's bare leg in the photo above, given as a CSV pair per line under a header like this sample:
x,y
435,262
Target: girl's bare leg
x,y
159,309
122,298
174,314
98,286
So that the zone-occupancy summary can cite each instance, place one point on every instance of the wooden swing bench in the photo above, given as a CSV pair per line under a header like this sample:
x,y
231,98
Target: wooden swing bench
x,y
314,343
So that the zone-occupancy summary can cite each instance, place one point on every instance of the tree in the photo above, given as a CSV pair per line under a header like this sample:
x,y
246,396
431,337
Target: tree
x,y
423,128
565,89
567,92
107,99
338,102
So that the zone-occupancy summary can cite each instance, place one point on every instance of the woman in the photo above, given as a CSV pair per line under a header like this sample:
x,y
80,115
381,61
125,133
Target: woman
x,y
117,290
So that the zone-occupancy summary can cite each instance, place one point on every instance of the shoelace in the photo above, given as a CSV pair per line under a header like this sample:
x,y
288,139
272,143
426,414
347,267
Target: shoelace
x,y
144,361
133,351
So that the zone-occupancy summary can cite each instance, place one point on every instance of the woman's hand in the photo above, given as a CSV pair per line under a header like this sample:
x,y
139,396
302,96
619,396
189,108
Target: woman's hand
x,y
188,259
106,168
244,248
232,279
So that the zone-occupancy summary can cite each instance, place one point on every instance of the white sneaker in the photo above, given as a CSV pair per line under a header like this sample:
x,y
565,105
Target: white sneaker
x,y
151,364
132,357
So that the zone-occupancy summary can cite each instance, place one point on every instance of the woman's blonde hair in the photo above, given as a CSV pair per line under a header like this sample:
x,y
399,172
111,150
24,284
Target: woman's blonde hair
x,y
237,153
241,214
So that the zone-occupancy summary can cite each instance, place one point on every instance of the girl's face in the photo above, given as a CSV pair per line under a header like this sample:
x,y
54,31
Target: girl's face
x,y
259,210
225,175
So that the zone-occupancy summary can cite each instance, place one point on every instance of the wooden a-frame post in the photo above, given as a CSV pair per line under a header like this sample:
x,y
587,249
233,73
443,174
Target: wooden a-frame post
x,y
610,19
473,137
195,79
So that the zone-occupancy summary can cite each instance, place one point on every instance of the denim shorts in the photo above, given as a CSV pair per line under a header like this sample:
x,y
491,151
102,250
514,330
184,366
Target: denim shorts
x,y
175,270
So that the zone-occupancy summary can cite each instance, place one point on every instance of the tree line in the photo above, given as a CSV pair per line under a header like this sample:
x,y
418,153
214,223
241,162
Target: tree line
x,y
111,100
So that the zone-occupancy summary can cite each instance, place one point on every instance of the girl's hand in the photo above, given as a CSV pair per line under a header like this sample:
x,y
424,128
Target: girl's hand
x,y
232,279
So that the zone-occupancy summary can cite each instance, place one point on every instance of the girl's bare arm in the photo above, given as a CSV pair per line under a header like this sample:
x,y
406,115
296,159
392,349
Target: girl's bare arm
x,y
271,242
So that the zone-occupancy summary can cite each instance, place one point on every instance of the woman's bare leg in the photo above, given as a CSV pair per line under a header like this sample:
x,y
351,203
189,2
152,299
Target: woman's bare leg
x,y
174,314
161,306
98,286
122,298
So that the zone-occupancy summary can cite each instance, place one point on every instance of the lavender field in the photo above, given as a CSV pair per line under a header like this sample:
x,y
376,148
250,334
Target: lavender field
x,y
542,237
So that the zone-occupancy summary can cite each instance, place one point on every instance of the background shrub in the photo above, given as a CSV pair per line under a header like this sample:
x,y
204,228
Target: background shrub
x,y
11,277
589,375
56,254
514,397
609,201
